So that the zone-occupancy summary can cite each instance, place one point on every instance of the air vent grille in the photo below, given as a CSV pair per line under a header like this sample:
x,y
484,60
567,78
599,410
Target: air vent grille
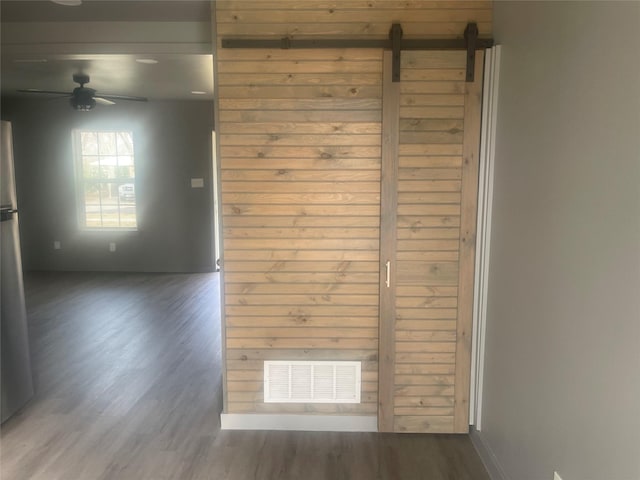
x,y
311,382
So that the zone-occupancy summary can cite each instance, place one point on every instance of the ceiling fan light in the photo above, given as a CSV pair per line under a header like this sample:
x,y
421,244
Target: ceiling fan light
x,y
82,104
68,3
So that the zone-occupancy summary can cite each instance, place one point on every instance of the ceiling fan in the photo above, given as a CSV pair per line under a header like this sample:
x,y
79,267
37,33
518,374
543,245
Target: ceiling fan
x,y
83,98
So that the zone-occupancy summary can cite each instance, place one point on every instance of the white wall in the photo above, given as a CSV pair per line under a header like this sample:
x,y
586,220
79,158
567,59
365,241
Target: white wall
x,y
562,374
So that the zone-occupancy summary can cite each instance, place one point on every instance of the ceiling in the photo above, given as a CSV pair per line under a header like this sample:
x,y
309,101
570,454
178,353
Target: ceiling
x,y
44,44
173,77
105,10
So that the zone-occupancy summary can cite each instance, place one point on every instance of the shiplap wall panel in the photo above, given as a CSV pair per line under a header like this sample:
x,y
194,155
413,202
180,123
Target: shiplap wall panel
x,y
300,152
300,156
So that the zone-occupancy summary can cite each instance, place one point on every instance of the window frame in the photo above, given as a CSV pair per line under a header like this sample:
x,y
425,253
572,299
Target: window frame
x,y
81,181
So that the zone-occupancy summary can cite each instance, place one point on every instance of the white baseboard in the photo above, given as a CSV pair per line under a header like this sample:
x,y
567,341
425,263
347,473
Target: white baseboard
x,y
310,423
490,461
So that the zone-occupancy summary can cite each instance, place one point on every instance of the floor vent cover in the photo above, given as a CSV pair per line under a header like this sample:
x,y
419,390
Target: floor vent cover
x,y
312,382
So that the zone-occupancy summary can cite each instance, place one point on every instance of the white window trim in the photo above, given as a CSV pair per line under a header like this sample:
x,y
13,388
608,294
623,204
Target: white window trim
x,y
79,181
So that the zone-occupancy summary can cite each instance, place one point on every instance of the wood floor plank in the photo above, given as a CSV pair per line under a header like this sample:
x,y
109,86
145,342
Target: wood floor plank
x,y
127,374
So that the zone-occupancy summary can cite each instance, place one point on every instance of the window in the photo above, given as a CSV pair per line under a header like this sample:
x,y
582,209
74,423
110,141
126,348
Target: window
x,y
105,173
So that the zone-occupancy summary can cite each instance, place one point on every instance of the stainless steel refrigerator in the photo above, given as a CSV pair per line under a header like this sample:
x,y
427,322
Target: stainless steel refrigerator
x,y
15,365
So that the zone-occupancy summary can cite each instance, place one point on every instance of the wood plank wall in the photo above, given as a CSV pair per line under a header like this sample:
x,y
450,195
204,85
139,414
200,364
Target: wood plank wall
x,y
300,141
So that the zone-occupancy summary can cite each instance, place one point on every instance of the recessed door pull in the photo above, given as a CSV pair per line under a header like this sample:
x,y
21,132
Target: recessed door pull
x,y
387,281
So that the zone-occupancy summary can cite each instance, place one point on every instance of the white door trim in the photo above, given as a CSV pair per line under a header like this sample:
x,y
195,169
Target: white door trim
x,y
483,236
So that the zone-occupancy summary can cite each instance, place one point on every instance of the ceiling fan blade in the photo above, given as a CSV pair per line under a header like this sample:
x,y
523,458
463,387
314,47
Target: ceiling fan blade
x,y
49,92
103,101
124,97
53,99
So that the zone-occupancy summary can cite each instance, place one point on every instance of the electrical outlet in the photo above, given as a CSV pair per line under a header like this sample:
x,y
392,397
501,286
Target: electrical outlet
x,y
57,245
112,247
556,476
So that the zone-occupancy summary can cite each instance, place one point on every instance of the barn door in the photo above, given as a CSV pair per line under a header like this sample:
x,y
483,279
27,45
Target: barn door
x,y
431,134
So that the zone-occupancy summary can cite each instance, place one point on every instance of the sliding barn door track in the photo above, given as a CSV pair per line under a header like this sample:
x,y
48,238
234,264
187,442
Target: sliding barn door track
x,y
395,43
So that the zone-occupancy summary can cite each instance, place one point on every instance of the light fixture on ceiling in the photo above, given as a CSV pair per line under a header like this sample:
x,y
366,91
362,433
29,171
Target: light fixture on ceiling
x,y
68,3
147,61
198,92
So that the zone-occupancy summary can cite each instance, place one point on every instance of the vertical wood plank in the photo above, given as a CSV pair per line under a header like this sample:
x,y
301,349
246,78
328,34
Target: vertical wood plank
x,y
468,216
388,209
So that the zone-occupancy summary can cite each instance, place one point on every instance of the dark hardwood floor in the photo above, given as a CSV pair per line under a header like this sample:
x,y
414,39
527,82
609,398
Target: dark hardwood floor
x,y
127,373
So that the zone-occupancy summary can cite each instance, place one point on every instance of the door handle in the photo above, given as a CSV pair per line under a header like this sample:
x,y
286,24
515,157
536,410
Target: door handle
x,y
388,280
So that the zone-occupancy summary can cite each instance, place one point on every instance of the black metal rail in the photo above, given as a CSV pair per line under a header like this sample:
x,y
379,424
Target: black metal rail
x,y
395,43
